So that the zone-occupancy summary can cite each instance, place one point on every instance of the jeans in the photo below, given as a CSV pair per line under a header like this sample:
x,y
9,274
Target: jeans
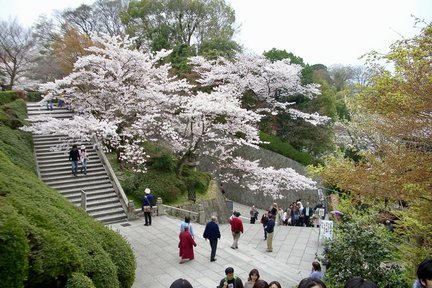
x,y
84,166
74,167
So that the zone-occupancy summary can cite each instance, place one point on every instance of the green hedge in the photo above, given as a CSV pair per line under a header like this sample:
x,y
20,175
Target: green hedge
x,y
285,149
34,96
8,96
45,241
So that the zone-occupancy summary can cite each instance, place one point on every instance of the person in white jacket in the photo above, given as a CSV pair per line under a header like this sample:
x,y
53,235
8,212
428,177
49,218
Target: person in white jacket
x,y
83,159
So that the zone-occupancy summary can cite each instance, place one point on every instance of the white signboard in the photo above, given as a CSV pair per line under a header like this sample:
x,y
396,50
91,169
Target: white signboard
x,y
326,229
320,194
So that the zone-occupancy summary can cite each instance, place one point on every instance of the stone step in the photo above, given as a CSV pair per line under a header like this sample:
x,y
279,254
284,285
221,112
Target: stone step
x,y
98,188
96,200
66,171
67,175
80,179
52,156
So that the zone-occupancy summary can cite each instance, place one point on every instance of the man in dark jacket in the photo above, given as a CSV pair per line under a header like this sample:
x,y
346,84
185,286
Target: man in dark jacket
x,y
212,233
74,158
231,280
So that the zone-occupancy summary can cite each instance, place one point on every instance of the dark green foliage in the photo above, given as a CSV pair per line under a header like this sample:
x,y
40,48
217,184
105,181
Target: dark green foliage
x,y
164,163
219,48
303,136
44,239
196,181
8,96
283,148
34,96
276,55
79,280
361,250
179,58
165,184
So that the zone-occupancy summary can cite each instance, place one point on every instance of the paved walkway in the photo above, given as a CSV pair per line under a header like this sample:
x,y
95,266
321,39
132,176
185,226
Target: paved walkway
x,y
156,252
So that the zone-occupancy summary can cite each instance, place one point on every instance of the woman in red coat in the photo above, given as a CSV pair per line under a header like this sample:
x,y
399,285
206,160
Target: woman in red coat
x,y
186,245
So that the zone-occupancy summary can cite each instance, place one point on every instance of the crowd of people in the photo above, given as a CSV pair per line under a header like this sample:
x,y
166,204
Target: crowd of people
x,y
212,233
231,280
295,215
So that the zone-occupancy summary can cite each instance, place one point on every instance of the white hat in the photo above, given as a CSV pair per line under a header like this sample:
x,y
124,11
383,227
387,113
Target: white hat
x,y
147,191
82,147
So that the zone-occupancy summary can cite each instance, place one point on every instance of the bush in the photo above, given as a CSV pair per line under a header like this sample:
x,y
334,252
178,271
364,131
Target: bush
x,y
34,96
7,97
285,149
44,239
79,280
361,250
14,249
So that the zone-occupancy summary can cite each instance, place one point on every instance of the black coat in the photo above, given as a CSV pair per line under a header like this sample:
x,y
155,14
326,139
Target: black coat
x,y
211,231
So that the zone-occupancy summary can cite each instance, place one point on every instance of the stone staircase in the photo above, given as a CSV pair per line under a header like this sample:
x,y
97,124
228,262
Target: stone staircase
x,y
54,168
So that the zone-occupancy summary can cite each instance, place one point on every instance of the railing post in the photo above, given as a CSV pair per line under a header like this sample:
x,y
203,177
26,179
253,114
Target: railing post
x,y
201,214
131,215
83,200
160,208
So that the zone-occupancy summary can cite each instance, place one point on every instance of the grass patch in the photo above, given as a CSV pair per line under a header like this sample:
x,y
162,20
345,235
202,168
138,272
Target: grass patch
x,y
285,149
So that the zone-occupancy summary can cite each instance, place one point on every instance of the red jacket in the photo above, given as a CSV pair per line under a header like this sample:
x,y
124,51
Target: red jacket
x,y
236,224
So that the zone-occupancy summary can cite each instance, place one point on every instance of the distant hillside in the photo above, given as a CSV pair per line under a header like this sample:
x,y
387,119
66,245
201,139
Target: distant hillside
x,y
45,241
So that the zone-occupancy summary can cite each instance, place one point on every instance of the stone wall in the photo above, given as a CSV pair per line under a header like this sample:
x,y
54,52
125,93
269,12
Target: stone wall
x,y
214,206
237,193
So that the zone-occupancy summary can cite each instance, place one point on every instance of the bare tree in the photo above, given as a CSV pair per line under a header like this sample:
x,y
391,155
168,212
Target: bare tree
x,y
16,50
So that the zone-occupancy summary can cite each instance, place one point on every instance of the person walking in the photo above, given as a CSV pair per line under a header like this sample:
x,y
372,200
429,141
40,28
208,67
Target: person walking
x,y
212,233
146,206
230,280
264,220
253,214
236,228
186,245
187,222
74,158
83,159
269,229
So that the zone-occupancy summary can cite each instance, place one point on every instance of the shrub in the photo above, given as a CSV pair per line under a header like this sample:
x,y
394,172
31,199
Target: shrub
x,y
7,97
361,250
79,280
14,248
34,96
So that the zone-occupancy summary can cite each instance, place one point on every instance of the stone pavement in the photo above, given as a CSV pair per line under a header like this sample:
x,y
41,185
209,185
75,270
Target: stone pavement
x,y
156,252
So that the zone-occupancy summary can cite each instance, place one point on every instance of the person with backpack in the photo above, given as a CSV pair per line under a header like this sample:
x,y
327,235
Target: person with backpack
x,y
147,204
230,280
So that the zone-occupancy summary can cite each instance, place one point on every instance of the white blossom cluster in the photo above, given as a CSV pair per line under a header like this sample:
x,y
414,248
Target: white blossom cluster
x,y
126,97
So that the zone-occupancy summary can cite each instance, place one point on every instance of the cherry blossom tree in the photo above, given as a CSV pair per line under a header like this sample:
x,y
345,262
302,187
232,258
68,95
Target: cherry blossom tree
x,y
269,81
126,97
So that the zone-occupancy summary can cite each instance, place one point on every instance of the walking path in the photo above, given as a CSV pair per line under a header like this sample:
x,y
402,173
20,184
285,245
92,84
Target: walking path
x,y
156,252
